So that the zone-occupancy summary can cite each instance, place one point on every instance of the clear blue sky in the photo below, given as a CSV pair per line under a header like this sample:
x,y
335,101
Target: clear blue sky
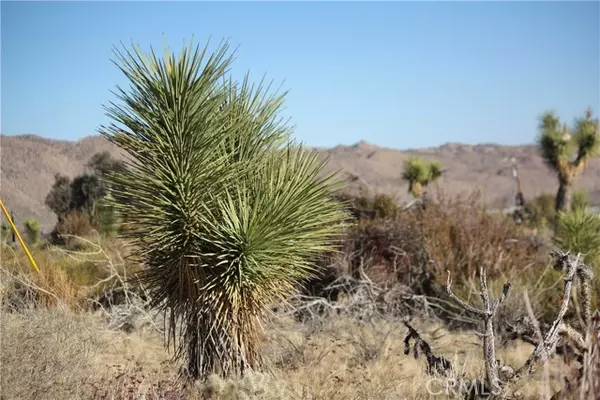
x,y
402,74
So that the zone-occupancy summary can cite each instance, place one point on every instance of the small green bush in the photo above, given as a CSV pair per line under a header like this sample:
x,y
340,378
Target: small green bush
x,y
32,229
580,200
579,232
370,206
541,210
5,232
106,217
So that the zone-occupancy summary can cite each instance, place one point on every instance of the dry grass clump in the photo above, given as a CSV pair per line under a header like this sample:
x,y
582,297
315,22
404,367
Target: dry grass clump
x,y
74,278
461,236
370,206
450,233
46,354
71,225
53,354
414,248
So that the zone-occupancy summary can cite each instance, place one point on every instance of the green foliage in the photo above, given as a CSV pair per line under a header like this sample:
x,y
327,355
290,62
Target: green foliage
x,y
579,232
369,206
541,210
554,141
580,200
107,218
32,229
419,173
103,163
85,194
5,232
227,214
60,196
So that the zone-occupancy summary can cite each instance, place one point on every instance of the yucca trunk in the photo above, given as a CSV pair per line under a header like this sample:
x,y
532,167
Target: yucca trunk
x,y
416,188
564,196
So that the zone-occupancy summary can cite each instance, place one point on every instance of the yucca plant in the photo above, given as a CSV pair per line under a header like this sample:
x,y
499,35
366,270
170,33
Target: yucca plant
x,y
225,212
32,229
579,232
567,154
580,200
419,173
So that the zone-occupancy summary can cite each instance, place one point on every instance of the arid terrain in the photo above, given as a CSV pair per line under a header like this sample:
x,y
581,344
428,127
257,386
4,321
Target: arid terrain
x,y
29,162
80,328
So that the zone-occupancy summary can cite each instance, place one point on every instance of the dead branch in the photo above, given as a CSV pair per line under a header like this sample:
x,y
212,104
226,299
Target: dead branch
x,y
486,314
435,364
548,345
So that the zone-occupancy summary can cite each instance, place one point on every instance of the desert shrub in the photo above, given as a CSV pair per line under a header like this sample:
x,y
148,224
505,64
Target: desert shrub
x,y
5,232
541,210
579,232
59,198
72,224
370,206
386,248
86,193
106,217
48,288
65,276
415,248
54,283
453,234
580,199
461,237
32,229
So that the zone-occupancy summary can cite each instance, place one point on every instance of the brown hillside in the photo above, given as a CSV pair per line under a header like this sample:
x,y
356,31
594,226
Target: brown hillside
x,y
28,165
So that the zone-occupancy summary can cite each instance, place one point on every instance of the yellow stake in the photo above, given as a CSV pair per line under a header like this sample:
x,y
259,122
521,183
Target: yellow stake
x,y
14,228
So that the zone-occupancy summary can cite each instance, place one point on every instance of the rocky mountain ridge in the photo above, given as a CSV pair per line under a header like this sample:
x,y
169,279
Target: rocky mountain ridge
x,y
28,164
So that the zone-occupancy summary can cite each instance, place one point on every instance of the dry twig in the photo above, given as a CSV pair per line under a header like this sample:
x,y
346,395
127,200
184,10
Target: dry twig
x,y
435,364
486,314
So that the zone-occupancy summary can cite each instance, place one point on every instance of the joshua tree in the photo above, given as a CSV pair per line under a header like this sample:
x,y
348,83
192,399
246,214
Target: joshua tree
x,y
226,213
567,154
419,173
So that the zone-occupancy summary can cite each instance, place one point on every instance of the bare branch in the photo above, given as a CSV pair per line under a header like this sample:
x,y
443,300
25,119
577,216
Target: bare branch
x,y
546,347
503,296
435,364
485,296
486,315
467,307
